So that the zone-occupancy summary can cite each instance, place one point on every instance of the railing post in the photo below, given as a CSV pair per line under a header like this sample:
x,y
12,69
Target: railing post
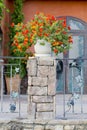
x,y
2,87
64,82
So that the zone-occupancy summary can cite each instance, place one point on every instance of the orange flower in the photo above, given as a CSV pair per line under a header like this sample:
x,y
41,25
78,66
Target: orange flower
x,y
31,40
41,24
40,34
26,39
56,43
55,51
41,29
70,39
25,42
19,47
12,25
16,44
46,34
14,50
33,27
64,23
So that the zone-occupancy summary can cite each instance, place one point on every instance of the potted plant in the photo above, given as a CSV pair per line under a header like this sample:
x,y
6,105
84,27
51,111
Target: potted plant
x,y
43,31
47,30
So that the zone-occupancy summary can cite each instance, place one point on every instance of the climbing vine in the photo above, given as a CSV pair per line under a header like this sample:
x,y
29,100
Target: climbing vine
x,y
17,16
2,6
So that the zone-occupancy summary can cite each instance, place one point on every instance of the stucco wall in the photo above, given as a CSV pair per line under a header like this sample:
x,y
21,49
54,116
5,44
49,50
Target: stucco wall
x,y
58,8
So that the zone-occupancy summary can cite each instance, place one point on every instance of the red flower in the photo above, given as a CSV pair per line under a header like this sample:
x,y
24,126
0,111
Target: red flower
x,y
70,39
69,28
41,29
64,23
55,51
12,25
53,18
64,33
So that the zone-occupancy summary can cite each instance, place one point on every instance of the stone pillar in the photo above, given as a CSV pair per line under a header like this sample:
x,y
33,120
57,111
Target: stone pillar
x,y
41,87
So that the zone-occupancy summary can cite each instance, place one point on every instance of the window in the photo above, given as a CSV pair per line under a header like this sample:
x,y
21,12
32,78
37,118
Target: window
x,y
79,46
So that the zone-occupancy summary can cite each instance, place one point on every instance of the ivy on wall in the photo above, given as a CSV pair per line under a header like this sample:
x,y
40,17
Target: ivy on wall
x,y
1,9
2,6
17,16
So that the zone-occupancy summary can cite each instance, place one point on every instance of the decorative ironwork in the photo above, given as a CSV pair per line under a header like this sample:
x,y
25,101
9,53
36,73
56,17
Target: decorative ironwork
x,y
14,96
77,87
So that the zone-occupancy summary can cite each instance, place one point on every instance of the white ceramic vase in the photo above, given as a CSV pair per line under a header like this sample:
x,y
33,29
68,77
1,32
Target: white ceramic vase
x,y
42,48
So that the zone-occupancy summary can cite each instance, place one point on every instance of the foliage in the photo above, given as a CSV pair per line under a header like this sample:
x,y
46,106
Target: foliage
x,y
16,17
54,31
2,6
20,41
19,47
42,26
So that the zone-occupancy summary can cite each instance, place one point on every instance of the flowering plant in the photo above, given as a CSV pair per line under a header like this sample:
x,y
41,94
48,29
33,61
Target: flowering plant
x,y
54,31
45,27
19,48
20,41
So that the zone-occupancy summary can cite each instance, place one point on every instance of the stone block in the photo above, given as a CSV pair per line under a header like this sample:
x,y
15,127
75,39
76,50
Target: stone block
x,y
50,127
37,91
1,128
28,126
31,110
49,61
69,127
39,99
51,88
43,71
32,66
29,80
44,107
52,81
44,115
39,81
80,127
59,127
39,127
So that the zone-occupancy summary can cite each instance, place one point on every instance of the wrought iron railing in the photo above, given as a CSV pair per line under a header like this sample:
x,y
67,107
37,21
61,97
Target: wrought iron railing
x,y
71,98
71,90
11,102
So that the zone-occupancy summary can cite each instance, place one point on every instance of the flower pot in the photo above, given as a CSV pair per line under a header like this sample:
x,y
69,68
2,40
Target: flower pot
x,y
13,83
42,48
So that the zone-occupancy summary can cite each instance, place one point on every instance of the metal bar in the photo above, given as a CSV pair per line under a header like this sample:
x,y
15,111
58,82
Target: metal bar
x,y
82,89
64,78
2,88
19,93
11,84
73,87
